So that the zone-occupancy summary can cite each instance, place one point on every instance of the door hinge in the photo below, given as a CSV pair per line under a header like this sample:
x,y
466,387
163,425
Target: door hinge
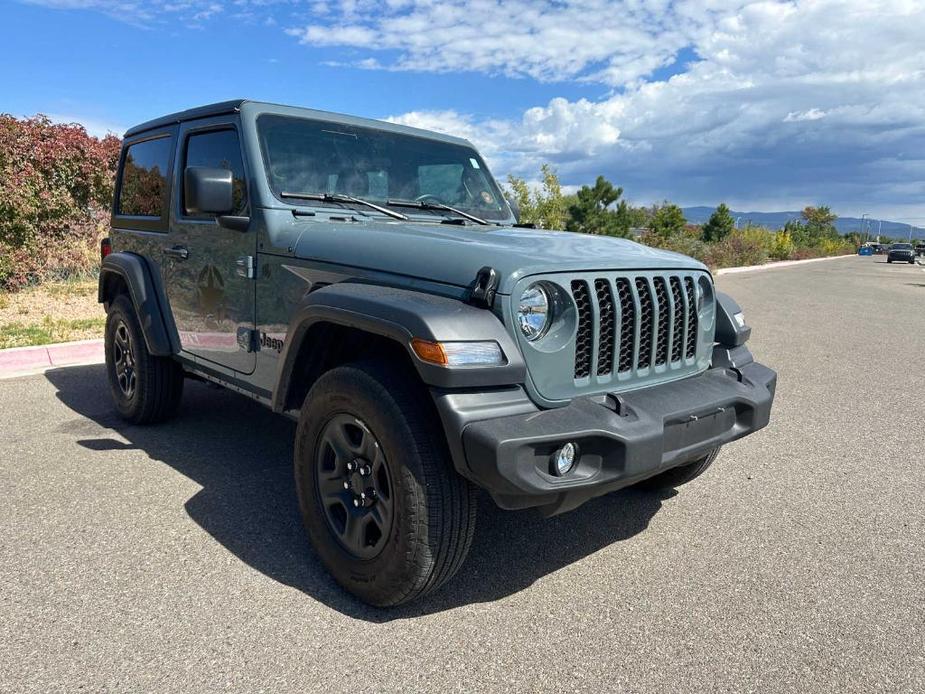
x,y
247,267
247,339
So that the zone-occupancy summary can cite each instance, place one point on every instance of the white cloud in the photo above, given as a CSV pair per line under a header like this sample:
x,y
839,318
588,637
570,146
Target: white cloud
x,y
149,12
811,114
597,40
787,103
779,102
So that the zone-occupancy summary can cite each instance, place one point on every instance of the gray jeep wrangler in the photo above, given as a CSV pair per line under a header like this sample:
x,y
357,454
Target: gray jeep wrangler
x,y
370,281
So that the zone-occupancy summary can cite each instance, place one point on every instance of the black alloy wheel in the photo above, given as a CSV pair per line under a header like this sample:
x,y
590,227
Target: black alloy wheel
x,y
124,360
354,486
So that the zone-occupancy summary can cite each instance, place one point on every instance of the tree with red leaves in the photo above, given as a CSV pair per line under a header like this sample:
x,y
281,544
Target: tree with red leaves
x,y
56,186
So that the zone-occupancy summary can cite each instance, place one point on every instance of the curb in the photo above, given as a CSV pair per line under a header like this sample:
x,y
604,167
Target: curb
x,y
23,361
778,264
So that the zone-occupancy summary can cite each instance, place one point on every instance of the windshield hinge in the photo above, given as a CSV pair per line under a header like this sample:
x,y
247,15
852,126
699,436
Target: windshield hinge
x,y
483,289
247,267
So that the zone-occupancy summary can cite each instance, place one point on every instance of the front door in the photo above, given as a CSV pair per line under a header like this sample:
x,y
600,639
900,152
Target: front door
x,y
206,265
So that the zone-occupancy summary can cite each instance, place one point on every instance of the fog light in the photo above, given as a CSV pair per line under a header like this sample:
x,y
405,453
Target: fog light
x,y
564,459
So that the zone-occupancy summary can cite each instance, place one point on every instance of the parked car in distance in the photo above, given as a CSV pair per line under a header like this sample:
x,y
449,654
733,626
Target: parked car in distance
x,y
920,248
865,250
370,281
901,252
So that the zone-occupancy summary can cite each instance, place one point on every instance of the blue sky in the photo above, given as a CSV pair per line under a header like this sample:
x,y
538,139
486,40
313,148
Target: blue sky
x,y
765,105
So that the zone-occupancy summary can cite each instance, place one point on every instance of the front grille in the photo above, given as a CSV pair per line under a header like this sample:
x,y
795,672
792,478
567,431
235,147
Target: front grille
x,y
645,322
677,327
627,325
630,325
662,336
583,336
691,318
608,327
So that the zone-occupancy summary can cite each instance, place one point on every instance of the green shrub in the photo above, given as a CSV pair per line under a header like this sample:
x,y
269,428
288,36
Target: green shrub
x,y
741,247
687,242
781,246
837,246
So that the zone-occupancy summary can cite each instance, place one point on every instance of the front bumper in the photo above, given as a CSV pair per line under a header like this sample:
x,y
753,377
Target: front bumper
x,y
503,443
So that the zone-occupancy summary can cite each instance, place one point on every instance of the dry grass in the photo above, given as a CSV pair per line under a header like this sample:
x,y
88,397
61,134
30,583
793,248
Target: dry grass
x,y
50,312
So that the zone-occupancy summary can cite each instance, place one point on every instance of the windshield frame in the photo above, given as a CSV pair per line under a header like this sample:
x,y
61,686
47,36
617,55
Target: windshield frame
x,y
417,215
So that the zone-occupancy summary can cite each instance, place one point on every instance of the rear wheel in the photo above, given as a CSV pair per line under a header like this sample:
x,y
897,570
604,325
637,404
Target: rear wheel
x,y
388,515
145,388
682,474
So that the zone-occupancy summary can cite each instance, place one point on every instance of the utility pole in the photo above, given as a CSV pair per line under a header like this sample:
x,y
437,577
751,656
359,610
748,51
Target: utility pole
x,y
861,230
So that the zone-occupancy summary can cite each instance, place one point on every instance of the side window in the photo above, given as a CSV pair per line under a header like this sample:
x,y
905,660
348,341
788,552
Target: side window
x,y
219,149
143,190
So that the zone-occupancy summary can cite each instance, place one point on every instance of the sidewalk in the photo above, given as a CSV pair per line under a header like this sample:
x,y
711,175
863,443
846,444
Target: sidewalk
x,y
779,264
21,361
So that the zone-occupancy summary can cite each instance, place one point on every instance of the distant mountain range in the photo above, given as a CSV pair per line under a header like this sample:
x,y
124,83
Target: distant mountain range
x,y
775,220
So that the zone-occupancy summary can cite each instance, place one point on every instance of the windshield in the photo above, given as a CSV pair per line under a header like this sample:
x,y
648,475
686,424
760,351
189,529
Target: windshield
x,y
902,247
304,156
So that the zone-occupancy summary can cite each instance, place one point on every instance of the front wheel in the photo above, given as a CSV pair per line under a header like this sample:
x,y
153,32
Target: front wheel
x,y
388,515
682,474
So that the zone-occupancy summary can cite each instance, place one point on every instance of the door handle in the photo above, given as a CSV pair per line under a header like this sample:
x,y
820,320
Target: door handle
x,y
180,252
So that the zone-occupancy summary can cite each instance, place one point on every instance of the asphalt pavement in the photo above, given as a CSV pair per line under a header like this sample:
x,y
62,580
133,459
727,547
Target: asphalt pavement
x,y
172,558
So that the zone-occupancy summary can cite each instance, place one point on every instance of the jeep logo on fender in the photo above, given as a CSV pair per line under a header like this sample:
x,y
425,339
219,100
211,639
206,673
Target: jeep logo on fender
x,y
267,342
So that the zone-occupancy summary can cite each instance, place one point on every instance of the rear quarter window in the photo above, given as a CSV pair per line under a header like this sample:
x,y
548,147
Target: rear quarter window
x,y
143,188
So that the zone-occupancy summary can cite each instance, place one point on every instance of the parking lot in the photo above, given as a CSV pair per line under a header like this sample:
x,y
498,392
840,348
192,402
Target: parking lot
x,y
173,558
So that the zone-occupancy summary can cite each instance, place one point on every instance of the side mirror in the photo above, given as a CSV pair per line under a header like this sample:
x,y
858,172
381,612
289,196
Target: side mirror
x,y
207,190
515,208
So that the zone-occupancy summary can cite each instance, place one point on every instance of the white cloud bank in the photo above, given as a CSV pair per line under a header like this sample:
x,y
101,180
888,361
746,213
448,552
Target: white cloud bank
x,y
781,103
785,103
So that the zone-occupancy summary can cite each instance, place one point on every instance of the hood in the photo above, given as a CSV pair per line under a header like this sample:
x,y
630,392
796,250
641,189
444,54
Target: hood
x,y
454,254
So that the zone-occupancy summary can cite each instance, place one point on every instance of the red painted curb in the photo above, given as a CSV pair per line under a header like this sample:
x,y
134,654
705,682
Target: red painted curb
x,y
23,360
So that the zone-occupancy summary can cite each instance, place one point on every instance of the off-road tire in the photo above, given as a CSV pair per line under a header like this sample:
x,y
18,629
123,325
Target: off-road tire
x,y
433,507
158,381
682,474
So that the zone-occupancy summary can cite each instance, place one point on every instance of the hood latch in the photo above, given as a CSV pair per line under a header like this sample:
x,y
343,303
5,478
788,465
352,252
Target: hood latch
x,y
483,289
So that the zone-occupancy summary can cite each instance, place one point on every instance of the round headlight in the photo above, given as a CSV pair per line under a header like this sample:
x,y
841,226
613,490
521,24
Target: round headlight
x,y
533,312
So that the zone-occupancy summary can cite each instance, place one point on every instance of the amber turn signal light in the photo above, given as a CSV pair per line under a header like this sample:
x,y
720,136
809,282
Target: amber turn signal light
x,y
431,352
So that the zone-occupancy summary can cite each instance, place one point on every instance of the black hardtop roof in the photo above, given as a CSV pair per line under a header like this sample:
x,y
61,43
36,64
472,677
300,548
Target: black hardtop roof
x,y
235,105
216,109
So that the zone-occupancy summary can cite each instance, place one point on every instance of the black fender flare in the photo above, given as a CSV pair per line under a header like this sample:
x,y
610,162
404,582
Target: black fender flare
x,y
147,297
401,315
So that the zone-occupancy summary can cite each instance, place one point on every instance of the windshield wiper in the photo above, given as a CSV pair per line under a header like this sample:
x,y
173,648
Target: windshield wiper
x,y
424,205
342,198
